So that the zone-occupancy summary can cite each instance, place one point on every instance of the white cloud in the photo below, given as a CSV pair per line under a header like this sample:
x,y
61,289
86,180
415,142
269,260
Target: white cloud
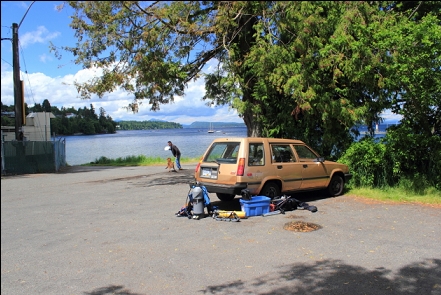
x,y
23,4
388,116
61,92
45,58
41,35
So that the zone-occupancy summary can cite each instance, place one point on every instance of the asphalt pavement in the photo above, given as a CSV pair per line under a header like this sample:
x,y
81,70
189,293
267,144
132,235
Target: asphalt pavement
x,y
104,230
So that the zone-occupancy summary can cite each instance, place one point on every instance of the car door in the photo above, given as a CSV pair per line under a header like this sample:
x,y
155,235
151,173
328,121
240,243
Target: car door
x,y
257,169
286,166
314,174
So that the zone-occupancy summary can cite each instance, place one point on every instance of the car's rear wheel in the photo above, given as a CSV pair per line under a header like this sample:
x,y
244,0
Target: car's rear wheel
x,y
225,197
336,186
271,190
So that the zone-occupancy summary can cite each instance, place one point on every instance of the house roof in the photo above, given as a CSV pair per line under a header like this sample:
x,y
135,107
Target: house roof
x,y
33,115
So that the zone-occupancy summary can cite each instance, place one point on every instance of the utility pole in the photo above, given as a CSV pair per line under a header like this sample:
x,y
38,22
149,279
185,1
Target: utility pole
x,y
18,86
18,97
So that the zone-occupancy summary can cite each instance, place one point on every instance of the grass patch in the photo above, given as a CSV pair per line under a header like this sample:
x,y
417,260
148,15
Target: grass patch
x,y
140,160
400,195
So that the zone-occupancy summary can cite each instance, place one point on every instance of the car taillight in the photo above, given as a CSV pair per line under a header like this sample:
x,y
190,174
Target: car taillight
x,y
198,166
241,167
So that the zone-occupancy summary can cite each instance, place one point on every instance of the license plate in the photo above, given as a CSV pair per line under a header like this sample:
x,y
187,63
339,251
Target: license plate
x,y
209,173
206,172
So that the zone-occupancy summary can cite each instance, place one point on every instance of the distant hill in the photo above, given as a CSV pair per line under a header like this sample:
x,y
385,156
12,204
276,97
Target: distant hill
x,y
161,124
214,125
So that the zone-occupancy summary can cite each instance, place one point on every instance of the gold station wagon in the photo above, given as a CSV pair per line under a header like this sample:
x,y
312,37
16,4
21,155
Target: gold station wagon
x,y
267,167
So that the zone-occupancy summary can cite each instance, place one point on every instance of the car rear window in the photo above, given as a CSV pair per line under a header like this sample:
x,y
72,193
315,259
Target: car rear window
x,y
223,152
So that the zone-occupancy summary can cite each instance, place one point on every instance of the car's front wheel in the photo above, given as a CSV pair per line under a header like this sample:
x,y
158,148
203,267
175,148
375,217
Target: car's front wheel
x,y
225,197
271,190
336,186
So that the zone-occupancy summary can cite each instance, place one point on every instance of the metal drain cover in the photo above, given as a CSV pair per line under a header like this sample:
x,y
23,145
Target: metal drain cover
x,y
300,226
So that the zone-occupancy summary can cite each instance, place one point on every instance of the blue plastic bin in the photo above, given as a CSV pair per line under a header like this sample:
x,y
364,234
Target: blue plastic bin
x,y
258,205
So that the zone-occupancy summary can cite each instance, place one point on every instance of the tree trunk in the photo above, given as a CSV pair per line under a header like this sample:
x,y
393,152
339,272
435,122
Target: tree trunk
x,y
253,127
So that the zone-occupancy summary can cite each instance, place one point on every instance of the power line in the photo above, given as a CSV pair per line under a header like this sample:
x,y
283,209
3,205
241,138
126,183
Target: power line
x,y
6,62
25,14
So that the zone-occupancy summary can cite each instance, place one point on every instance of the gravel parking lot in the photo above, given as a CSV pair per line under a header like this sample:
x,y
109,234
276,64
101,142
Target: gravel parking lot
x,y
104,230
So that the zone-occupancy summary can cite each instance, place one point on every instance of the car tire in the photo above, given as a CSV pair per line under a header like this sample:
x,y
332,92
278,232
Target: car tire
x,y
225,197
336,186
270,190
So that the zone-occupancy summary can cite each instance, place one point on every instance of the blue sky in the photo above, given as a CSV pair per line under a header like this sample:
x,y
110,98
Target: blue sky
x,y
46,77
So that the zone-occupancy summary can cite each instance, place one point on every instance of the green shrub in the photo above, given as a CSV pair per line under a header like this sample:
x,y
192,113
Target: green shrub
x,y
369,164
102,160
416,157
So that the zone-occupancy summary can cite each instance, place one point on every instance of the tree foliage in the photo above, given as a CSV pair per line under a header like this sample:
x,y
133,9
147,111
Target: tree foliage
x,y
69,121
46,106
310,70
148,125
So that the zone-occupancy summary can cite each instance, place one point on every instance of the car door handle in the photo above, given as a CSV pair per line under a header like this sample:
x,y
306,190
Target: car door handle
x,y
279,166
305,166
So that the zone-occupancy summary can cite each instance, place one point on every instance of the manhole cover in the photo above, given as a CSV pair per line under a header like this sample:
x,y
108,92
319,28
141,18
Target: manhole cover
x,y
301,226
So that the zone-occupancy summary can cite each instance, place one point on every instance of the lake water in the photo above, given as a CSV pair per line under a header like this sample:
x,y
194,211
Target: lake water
x,y
191,141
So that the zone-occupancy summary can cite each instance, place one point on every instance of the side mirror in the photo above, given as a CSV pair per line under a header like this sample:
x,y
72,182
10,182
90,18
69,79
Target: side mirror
x,y
320,159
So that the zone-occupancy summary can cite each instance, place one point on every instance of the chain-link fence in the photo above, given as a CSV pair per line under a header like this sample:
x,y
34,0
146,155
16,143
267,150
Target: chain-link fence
x,y
24,157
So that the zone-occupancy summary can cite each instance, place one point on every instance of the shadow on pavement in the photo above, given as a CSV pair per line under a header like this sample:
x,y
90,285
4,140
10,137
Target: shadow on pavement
x,y
327,277
114,290
334,277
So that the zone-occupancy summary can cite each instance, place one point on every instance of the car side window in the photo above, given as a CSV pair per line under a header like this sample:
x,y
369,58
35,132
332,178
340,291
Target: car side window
x,y
304,153
256,155
282,153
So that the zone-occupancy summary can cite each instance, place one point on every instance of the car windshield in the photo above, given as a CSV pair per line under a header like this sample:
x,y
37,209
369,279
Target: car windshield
x,y
304,153
223,152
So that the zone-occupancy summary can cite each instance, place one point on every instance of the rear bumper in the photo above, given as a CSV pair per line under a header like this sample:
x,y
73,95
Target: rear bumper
x,y
348,177
225,189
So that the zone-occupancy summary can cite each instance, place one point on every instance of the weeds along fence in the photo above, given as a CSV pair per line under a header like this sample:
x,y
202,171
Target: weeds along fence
x,y
27,157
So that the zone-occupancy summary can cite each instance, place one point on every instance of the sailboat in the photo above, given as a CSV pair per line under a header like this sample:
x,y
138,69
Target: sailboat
x,y
211,130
